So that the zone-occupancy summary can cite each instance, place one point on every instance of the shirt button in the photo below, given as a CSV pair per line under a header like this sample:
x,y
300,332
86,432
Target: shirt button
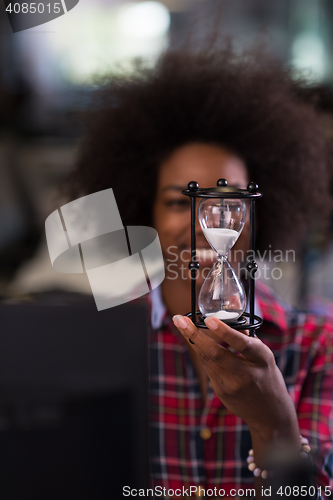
x,y
200,491
205,433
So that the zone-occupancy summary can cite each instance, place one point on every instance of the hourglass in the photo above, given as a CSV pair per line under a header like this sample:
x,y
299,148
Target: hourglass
x,y
222,215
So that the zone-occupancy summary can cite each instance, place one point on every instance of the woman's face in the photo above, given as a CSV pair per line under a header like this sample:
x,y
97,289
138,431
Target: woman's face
x,y
205,164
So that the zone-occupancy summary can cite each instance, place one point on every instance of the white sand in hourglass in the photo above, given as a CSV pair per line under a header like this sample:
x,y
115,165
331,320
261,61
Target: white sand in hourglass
x,y
224,315
221,239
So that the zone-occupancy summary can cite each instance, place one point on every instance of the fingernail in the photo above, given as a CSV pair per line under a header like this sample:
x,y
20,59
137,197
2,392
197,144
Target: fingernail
x,y
212,323
180,321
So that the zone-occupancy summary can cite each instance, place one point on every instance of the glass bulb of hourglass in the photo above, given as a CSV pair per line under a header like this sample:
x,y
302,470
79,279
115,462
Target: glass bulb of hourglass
x,y
222,294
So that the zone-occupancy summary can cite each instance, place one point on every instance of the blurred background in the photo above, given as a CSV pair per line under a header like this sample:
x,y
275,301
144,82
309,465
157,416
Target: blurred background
x,y
47,76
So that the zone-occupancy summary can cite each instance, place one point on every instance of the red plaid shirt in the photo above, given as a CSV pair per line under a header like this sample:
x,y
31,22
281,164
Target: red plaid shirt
x,y
206,445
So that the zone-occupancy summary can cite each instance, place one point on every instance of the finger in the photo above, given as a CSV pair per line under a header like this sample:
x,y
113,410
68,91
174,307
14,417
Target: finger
x,y
250,347
217,337
209,351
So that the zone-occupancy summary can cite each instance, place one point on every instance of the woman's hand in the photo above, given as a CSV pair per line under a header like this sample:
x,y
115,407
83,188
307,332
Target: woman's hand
x,y
247,382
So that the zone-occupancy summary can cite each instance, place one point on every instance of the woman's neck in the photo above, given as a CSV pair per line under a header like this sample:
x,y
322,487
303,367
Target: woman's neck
x,y
176,296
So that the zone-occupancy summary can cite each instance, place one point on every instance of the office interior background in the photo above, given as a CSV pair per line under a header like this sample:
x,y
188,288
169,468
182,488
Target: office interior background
x,y
48,75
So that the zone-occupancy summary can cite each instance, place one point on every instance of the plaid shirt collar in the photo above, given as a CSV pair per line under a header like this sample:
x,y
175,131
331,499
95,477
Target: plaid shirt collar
x,y
158,309
273,310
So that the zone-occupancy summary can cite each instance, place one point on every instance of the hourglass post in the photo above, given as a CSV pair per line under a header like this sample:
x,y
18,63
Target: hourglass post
x,y
252,247
222,183
252,265
193,265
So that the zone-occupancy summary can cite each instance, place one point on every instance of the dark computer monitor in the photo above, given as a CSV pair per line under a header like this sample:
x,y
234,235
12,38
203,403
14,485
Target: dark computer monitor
x,y
73,401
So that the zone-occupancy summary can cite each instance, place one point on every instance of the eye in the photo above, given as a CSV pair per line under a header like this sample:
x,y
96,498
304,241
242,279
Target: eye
x,y
178,203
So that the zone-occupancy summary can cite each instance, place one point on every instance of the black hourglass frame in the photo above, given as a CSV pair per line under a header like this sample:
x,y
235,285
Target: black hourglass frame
x,y
248,321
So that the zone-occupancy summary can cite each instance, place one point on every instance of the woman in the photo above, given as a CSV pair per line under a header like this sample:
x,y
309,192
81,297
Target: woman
x,y
202,117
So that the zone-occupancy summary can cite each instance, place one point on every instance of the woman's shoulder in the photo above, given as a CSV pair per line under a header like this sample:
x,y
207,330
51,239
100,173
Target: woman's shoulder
x,y
287,328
